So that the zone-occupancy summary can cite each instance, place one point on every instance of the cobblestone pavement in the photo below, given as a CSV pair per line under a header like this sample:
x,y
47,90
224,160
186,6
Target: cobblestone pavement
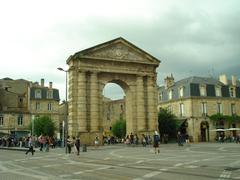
x,y
197,161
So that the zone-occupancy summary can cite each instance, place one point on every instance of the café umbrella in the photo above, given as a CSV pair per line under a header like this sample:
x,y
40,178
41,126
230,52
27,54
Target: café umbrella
x,y
218,130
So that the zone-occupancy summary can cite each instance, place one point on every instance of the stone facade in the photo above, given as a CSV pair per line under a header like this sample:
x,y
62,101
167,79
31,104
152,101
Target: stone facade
x,y
21,101
113,110
195,108
117,61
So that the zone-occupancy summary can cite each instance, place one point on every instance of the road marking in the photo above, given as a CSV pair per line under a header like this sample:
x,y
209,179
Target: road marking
x,y
102,168
79,172
138,162
179,164
163,169
51,165
151,174
225,175
191,166
64,175
222,149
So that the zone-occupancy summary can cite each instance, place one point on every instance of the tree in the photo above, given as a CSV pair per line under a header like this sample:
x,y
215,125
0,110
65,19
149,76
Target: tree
x,y
43,125
167,123
119,128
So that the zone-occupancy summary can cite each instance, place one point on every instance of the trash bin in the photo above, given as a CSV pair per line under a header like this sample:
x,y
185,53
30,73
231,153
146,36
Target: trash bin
x,y
84,148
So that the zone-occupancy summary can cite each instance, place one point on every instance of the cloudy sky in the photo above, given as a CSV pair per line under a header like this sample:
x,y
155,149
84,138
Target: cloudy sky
x,y
190,37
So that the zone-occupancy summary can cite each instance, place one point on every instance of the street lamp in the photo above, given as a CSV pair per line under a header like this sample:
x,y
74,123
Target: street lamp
x,y
65,123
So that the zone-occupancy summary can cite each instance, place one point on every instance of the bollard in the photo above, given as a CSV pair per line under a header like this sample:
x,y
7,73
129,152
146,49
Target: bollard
x,y
84,148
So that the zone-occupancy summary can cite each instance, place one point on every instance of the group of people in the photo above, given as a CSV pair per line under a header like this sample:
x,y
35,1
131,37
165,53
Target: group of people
x,y
73,143
229,138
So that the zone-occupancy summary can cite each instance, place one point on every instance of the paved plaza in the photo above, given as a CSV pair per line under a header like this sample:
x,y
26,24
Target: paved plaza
x,y
197,161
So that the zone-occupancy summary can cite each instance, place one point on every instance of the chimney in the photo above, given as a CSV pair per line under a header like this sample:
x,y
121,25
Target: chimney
x,y
223,79
42,82
169,81
234,80
50,85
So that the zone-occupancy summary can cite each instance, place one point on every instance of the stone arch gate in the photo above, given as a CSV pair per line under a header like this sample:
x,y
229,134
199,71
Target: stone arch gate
x,y
116,61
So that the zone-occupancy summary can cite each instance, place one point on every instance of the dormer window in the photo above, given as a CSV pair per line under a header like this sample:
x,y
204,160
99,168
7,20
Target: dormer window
x,y
38,94
218,91
50,94
181,90
170,94
202,90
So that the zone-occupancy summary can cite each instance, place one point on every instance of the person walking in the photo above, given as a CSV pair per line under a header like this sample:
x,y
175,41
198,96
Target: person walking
x,y
179,138
69,144
30,146
156,140
77,144
96,141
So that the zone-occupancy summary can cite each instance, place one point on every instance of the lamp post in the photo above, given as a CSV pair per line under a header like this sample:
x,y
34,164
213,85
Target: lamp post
x,y
65,123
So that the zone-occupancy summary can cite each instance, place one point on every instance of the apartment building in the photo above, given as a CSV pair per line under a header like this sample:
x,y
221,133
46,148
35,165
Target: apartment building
x,y
21,101
194,99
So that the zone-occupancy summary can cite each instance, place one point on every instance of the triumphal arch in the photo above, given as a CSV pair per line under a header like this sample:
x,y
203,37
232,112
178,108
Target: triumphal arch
x,y
117,61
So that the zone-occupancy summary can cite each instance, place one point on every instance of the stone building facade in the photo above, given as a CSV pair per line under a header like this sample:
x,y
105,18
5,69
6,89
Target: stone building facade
x,y
195,99
21,101
116,61
113,110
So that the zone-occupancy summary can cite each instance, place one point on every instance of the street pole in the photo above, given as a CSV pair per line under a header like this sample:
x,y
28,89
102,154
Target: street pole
x,y
65,127
33,117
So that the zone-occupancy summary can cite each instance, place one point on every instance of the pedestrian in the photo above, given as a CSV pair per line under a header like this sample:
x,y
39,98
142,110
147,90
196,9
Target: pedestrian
x,y
187,138
96,141
77,144
144,140
156,140
69,144
179,138
30,146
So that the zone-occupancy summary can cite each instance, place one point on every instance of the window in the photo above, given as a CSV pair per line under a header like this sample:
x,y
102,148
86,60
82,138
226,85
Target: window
x,y
169,108
50,107
160,96
50,94
218,91
204,108
37,106
233,109
170,94
20,120
1,120
38,94
202,90
232,92
219,108
181,109
181,89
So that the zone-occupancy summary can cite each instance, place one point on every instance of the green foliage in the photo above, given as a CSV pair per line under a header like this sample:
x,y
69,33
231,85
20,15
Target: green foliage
x,y
43,125
119,128
220,117
167,123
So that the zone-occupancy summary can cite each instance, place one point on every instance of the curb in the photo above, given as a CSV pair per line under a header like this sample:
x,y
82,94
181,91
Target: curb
x,y
14,149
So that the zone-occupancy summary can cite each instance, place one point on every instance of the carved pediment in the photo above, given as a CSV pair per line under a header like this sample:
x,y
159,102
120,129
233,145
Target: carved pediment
x,y
120,50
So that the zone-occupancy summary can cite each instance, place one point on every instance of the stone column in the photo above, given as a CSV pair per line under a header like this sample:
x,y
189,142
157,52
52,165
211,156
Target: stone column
x,y
141,124
94,103
81,105
152,113
72,108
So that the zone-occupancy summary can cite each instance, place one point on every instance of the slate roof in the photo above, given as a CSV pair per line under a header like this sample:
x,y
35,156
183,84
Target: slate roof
x,y
191,88
44,93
